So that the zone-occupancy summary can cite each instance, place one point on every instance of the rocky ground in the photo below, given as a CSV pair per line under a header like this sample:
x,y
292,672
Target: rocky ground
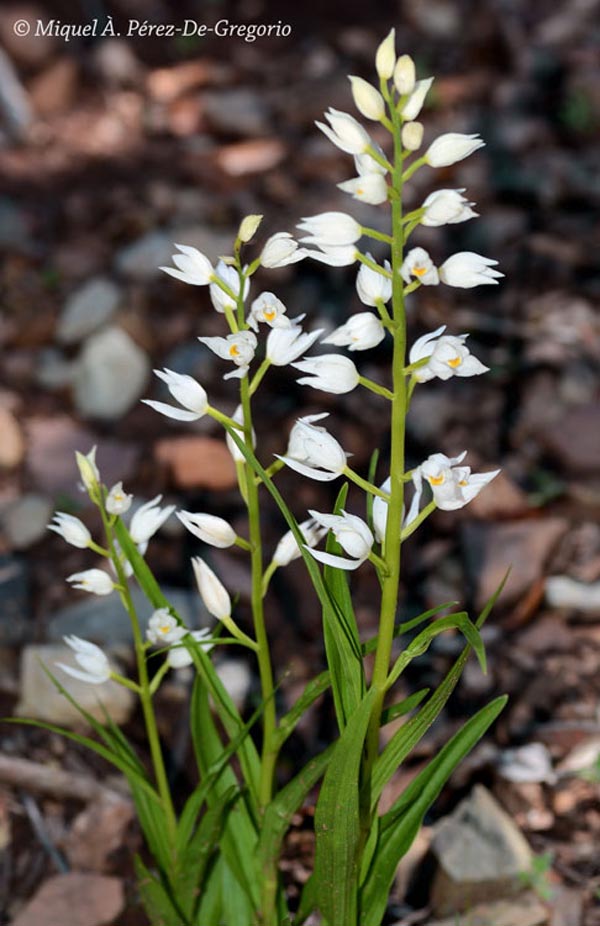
x,y
112,150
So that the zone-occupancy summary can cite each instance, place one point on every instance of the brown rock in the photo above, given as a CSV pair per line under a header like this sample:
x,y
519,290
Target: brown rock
x,y
504,500
522,546
12,445
97,831
251,157
526,911
197,462
574,440
53,91
74,898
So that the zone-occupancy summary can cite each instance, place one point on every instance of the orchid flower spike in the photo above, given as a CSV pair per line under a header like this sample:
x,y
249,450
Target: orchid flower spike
x,y
280,250
95,667
269,309
208,528
288,550
467,269
329,373
238,347
313,452
453,486
193,267
419,264
373,287
447,356
184,390
163,628
147,520
330,229
446,207
179,655
345,132
285,345
219,298
352,534
360,332
95,581
71,529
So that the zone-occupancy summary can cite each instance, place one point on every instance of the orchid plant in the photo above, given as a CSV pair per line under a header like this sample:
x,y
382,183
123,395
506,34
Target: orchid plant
x,y
215,855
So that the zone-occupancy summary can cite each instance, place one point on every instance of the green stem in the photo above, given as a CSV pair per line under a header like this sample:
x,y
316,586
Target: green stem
x,y
269,573
384,314
363,484
373,265
379,158
97,548
376,235
413,168
422,515
372,386
257,378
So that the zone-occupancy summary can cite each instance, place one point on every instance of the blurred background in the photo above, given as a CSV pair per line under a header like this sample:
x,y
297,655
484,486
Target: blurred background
x,y
112,149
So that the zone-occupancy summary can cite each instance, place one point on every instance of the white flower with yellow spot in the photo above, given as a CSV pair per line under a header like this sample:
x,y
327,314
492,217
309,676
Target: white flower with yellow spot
x,y
269,309
361,332
95,581
446,356
163,628
367,188
453,486
239,348
219,298
118,501
418,264
345,132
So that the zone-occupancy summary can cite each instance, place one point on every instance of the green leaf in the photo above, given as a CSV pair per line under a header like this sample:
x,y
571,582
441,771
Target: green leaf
x,y
371,645
399,826
421,642
337,823
313,690
403,707
155,898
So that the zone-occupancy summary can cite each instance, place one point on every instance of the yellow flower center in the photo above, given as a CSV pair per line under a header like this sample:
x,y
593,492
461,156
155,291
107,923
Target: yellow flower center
x,y
234,351
454,362
436,480
269,314
419,271
463,482
165,628
359,191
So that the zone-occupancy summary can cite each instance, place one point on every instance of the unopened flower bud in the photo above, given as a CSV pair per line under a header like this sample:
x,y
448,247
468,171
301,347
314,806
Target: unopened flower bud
x,y
385,58
367,99
208,528
212,591
412,135
86,463
404,75
249,227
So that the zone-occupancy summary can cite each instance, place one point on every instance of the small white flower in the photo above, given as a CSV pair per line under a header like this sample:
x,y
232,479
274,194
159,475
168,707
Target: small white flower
x,y
229,275
361,332
367,99
238,347
329,373
248,227
313,452
71,529
118,501
288,550
453,486
280,250
330,229
95,667
419,264
352,534
238,456
147,520
335,256
380,510
367,188
287,344
86,463
412,135
163,628
212,591
366,163
385,57
404,75
452,147
269,309
179,656
467,269
414,104
448,356
184,390
95,581
446,207
192,266
373,287
208,528
345,132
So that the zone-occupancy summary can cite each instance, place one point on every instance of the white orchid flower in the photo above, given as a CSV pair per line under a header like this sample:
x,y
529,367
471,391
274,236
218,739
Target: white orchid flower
x,y
234,450
71,529
414,104
288,550
345,132
329,373
313,452
412,135
448,356
405,75
118,501
193,267
467,269
373,287
361,332
280,250
238,347
209,528
419,264
163,628
330,229
147,520
212,591
452,147
86,464
385,57
179,655
367,99
184,390
380,510
341,256
453,486
229,275
366,164
352,534
446,207
95,667
366,188
285,345
269,309
95,581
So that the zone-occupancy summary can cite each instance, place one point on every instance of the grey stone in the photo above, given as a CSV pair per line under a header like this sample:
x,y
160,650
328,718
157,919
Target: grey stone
x,y
237,679
40,699
237,112
88,308
53,370
526,911
24,521
111,375
141,259
481,855
14,600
